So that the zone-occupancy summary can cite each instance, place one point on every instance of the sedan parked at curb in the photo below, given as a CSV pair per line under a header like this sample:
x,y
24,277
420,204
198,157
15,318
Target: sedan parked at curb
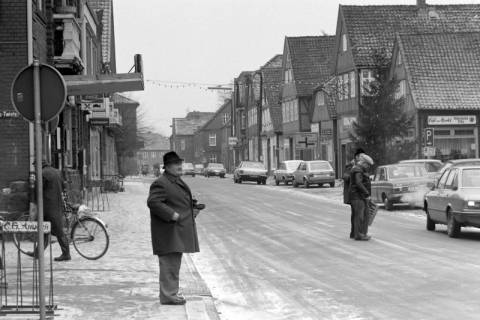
x,y
317,172
454,200
285,171
215,170
400,183
250,171
188,169
199,169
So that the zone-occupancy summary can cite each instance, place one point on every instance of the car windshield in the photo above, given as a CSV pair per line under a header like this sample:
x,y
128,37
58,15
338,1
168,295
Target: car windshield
x,y
321,165
292,165
406,171
471,178
253,165
215,166
187,166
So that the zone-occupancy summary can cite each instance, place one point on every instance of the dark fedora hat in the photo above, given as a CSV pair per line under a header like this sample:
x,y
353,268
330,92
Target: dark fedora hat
x,y
171,157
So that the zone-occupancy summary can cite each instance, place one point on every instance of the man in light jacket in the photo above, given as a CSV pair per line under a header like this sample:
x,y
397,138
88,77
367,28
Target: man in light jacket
x,y
173,227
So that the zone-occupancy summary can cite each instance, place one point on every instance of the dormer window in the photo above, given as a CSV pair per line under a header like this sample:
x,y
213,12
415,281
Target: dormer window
x,y
399,59
288,75
320,98
344,42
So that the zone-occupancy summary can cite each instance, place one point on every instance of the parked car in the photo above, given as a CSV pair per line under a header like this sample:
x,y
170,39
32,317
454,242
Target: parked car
x,y
455,200
457,163
431,165
250,171
285,171
199,169
215,169
317,172
188,169
400,183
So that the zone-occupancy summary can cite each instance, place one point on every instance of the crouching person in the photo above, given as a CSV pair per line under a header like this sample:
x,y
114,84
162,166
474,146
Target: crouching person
x,y
173,226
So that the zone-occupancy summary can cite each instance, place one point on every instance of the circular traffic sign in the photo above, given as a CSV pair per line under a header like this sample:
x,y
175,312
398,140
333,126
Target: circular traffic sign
x,y
53,92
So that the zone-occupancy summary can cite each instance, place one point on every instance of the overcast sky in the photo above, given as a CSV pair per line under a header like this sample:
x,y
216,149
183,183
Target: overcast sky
x,y
211,42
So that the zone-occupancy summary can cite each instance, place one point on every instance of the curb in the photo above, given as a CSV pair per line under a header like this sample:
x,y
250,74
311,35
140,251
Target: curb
x,y
200,303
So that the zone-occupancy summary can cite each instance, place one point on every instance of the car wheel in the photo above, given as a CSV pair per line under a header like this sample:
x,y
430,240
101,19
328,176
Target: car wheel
x,y
430,223
453,227
264,182
306,184
387,203
295,184
239,180
332,184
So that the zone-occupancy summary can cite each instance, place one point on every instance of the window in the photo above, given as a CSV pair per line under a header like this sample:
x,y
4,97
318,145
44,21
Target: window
x,y
452,179
366,77
182,145
344,42
401,90
353,87
320,98
346,86
443,179
212,140
288,76
340,87
399,59
226,118
212,158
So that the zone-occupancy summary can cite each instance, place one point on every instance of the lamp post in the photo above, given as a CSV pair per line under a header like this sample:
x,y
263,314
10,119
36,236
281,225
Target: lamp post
x,y
258,95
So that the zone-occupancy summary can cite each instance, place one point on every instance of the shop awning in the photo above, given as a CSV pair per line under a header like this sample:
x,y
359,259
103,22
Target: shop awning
x,y
79,85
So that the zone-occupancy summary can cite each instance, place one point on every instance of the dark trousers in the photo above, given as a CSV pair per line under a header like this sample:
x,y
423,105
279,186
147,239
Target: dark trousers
x,y
170,264
352,222
360,218
57,224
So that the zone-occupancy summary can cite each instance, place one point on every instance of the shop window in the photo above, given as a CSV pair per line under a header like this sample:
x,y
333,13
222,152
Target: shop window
x,y
442,132
464,132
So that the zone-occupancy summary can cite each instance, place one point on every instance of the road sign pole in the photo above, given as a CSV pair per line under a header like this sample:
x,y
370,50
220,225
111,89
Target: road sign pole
x,y
38,157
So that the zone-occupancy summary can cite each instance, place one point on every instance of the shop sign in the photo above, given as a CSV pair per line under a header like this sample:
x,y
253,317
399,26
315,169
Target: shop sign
x,y
451,120
326,132
9,114
429,151
315,127
306,140
99,121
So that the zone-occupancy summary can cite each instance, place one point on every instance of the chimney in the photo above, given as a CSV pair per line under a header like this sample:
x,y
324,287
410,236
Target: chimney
x,y
421,3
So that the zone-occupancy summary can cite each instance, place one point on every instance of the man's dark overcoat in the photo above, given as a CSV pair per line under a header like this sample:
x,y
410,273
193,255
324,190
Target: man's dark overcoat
x,y
52,193
169,194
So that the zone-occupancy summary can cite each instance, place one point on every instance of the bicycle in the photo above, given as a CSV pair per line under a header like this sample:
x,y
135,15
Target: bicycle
x,y
87,233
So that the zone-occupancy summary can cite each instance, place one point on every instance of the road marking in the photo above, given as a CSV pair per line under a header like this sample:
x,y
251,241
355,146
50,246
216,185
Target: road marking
x,y
293,213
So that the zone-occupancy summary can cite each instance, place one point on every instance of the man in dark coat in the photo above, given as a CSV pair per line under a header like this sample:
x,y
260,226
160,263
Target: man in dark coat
x,y
360,190
346,186
173,226
53,207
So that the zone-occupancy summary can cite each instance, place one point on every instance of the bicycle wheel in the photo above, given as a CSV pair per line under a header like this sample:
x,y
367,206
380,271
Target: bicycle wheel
x,y
27,242
90,238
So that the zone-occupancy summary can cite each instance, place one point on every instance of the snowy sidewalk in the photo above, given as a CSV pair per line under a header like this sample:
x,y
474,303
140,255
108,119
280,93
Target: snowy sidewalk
x,y
124,283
